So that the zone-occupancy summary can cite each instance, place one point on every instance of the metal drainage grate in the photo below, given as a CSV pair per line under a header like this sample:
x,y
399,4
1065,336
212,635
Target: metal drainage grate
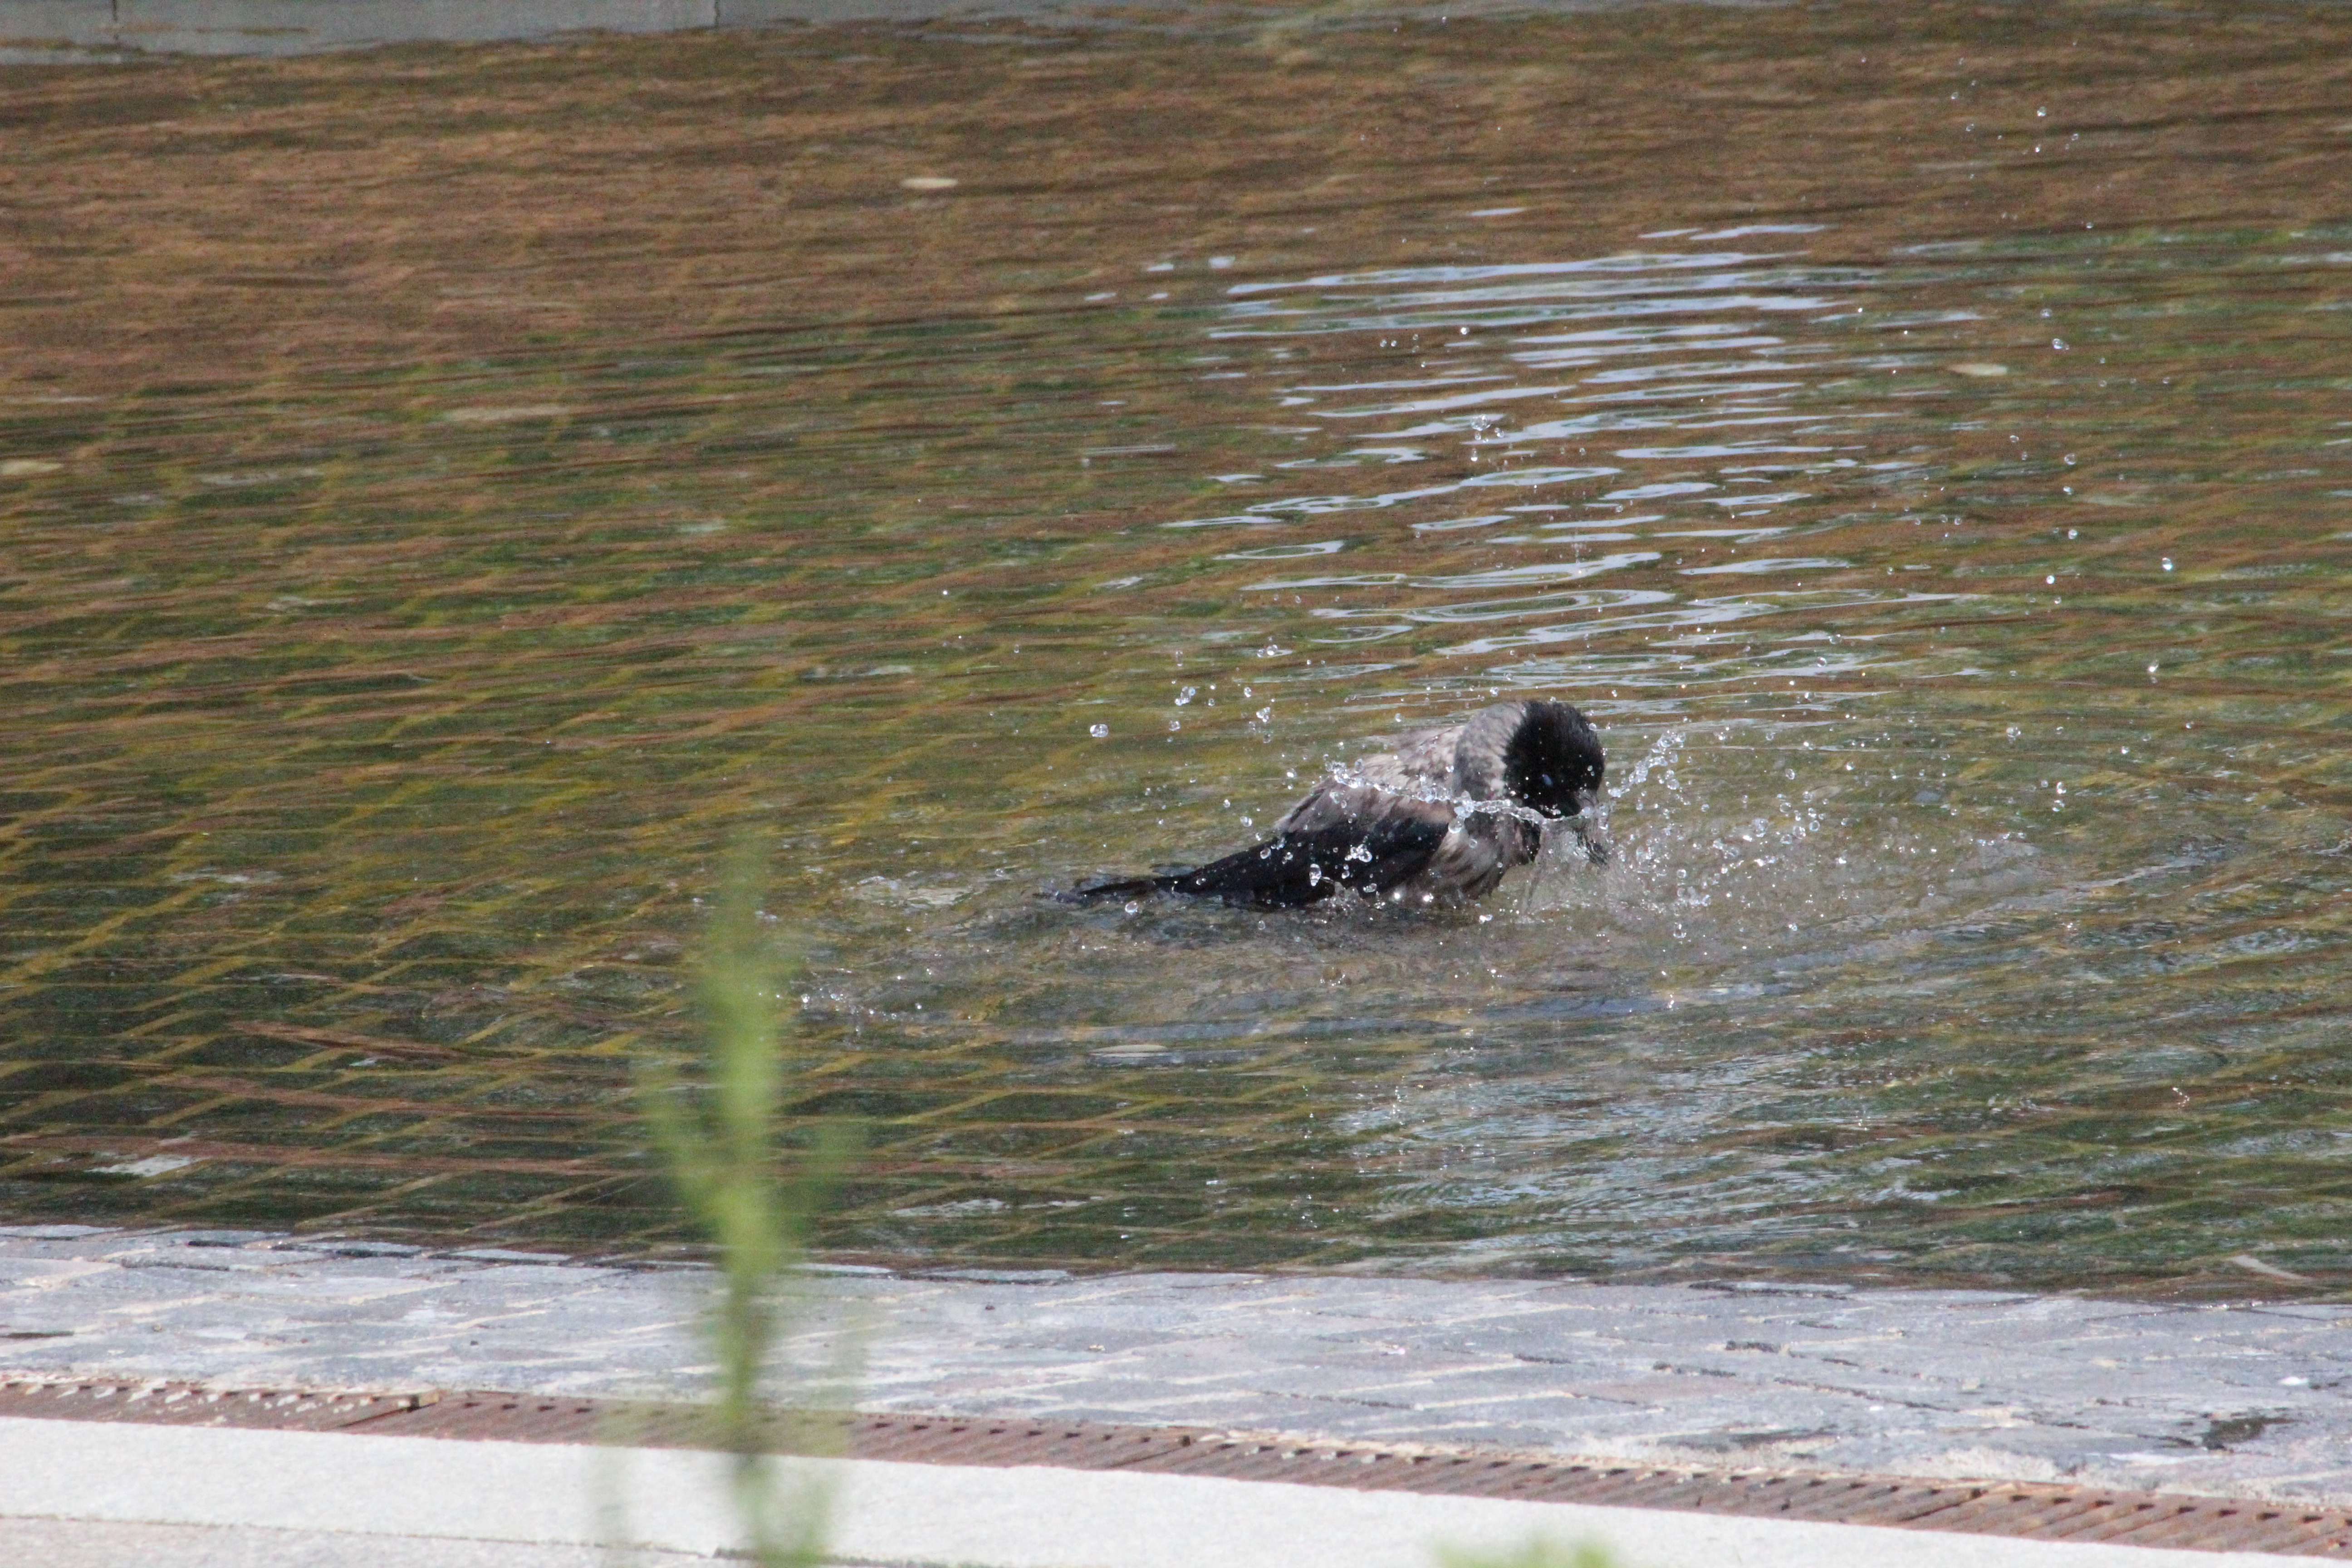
x,y
2039,1512
195,1404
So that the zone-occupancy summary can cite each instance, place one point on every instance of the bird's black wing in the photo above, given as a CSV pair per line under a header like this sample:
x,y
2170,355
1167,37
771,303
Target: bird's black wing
x,y
1308,867
1366,840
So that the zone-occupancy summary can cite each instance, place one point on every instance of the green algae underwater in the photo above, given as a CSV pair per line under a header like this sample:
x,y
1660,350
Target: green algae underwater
x,y
450,493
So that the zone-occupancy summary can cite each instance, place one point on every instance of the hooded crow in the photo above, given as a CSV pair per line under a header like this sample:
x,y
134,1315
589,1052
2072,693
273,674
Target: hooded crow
x,y
1441,817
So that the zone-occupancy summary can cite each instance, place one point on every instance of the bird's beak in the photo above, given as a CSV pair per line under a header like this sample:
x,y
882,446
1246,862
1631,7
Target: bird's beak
x,y
1587,833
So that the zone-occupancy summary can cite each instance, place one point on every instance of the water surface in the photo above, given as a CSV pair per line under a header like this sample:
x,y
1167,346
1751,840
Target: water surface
x,y
451,493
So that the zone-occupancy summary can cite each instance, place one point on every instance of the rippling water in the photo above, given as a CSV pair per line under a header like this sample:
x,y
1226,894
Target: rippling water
x,y
1950,540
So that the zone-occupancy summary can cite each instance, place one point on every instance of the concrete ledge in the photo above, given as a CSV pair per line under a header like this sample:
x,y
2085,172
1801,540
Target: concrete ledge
x,y
2243,1400
424,1489
76,31
91,1543
71,29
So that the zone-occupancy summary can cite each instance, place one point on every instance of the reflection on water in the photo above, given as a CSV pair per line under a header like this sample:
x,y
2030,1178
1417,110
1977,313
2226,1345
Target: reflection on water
x,y
1950,540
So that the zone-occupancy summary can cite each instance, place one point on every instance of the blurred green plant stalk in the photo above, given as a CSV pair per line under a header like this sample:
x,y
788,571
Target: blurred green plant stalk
x,y
718,1140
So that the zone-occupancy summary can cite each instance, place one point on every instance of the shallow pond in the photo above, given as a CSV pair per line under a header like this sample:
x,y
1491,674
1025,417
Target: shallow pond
x,y
449,493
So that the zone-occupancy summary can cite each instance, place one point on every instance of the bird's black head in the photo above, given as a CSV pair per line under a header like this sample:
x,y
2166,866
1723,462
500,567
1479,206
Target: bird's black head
x,y
1552,761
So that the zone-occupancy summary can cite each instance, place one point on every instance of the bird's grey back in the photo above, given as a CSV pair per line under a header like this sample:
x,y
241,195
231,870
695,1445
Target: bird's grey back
x,y
1478,750
1421,763
1419,769
1463,759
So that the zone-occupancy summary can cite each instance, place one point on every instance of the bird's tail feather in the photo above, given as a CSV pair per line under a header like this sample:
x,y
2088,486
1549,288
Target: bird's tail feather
x,y
1128,888
1295,869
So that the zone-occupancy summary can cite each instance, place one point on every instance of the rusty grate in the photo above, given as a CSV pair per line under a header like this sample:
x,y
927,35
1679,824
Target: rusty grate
x,y
195,1404
2028,1511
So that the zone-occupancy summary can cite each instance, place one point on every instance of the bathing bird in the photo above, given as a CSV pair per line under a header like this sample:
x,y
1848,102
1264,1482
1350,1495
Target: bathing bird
x,y
1440,818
